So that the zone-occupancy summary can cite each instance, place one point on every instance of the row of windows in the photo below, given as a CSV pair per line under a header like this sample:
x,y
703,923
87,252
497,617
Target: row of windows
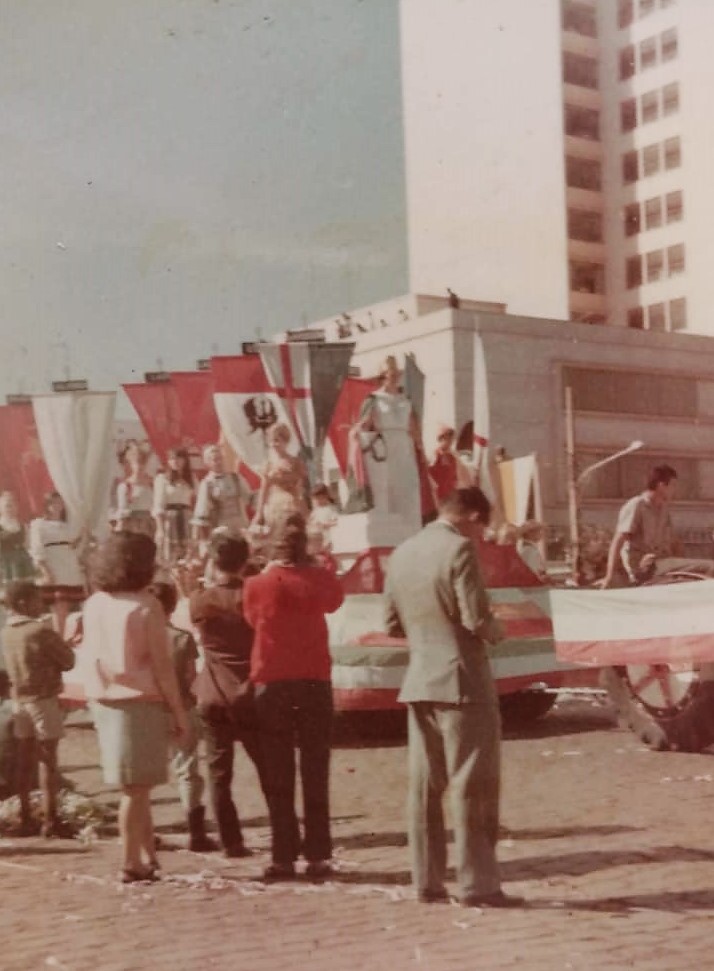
x,y
659,316
626,9
652,211
578,17
580,70
650,103
583,173
631,392
652,51
653,263
587,277
637,165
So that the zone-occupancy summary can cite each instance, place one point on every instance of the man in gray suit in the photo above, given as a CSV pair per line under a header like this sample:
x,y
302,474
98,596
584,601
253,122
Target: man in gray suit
x,y
436,598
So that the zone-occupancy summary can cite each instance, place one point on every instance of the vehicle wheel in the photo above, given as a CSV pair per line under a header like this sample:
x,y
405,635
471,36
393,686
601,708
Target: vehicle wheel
x,y
524,707
665,706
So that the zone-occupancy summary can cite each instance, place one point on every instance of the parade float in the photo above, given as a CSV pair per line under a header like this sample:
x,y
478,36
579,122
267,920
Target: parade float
x,y
658,641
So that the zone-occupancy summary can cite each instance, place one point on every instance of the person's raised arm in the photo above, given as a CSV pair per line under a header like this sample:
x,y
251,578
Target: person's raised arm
x,y
392,619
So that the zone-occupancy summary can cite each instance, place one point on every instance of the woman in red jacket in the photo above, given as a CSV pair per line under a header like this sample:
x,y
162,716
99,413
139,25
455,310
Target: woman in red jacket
x,y
290,668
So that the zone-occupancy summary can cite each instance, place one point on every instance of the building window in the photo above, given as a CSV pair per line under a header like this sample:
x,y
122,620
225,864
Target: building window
x,y
580,70
655,265
636,318
630,167
646,7
625,13
670,99
649,106
648,53
632,393
672,153
579,17
632,219
667,3
653,213
669,44
583,173
627,62
675,259
628,114
587,277
677,314
633,272
650,159
582,122
585,225
675,206
656,317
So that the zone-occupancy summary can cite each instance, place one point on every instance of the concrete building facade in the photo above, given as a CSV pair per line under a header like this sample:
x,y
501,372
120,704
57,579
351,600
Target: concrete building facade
x,y
558,156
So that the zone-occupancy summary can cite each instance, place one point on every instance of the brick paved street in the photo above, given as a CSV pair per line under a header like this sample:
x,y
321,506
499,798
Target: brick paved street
x,y
611,844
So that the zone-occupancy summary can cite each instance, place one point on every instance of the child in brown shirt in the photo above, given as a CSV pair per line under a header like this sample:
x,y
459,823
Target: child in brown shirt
x,y
35,657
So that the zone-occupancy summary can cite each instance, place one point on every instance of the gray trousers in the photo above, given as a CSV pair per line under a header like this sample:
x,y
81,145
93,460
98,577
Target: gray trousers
x,y
456,746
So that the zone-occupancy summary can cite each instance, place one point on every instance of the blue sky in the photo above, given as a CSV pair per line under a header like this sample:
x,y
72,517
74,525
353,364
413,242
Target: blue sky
x,y
178,173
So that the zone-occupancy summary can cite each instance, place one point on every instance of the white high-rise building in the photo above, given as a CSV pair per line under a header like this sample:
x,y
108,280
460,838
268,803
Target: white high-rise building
x,y
559,156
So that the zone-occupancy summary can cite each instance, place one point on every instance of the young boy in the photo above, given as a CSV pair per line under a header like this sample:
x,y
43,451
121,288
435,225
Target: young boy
x,y
324,515
185,760
35,657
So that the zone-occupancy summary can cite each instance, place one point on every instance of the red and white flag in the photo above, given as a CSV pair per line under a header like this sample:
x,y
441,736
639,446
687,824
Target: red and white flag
x,y
667,624
158,409
247,406
308,377
196,410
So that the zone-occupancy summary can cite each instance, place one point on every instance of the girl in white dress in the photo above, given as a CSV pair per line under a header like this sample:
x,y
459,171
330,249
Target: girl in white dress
x,y
174,496
389,438
54,547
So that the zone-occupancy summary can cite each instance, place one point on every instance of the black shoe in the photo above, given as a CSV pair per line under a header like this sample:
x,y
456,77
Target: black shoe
x,y
499,900
319,870
145,875
433,897
237,852
279,871
203,844
56,829
199,841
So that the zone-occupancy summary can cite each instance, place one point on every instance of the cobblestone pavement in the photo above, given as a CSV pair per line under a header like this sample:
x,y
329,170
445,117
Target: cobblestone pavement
x,y
611,844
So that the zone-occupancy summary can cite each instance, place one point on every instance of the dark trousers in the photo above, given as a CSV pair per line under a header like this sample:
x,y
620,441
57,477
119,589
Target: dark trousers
x,y
221,730
298,713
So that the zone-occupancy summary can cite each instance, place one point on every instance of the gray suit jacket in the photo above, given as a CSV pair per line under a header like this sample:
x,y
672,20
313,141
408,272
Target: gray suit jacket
x,y
434,595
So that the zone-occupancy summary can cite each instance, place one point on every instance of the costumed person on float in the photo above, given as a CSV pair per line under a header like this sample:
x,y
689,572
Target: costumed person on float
x,y
135,493
221,501
447,470
282,485
389,440
174,496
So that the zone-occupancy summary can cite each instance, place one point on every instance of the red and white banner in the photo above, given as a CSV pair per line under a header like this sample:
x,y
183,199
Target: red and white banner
x,y
23,470
198,421
668,624
247,406
158,409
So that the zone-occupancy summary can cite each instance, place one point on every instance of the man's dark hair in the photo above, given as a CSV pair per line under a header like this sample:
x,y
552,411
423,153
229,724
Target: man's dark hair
x,y
166,594
229,553
661,473
125,563
290,539
20,595
465,502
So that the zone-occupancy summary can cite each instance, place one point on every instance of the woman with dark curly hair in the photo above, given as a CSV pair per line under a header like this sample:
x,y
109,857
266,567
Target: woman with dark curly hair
x,y
131,682
290,669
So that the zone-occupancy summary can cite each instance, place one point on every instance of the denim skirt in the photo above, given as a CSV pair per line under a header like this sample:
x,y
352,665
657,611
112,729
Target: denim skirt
x,y
133,741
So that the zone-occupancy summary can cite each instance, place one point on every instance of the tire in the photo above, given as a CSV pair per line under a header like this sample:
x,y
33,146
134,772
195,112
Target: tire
x,y
525,707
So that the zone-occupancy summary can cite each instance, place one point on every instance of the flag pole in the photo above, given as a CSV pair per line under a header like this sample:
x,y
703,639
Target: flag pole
x,y
572,483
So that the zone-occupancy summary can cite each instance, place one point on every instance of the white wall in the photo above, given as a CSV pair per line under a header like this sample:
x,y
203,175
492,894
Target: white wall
x,y
483,110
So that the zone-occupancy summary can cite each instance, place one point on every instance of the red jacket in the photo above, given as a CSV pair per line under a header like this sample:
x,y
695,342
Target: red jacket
x,y
286,606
